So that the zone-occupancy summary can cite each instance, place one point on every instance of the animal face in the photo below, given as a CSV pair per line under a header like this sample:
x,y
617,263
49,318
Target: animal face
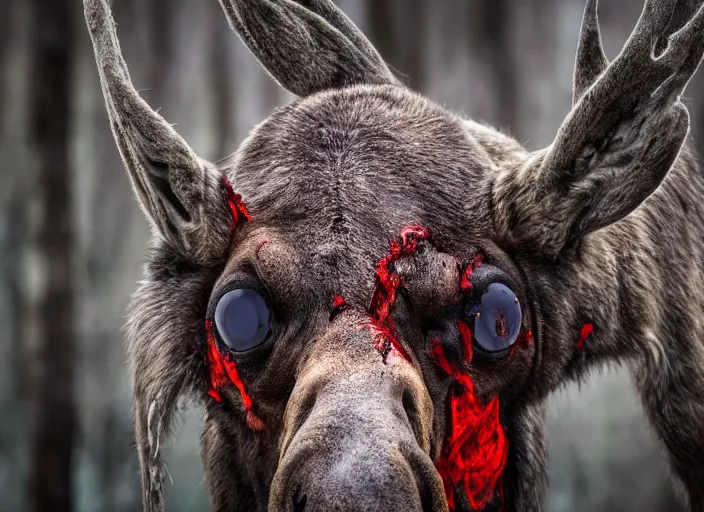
x,y
373,371
373,296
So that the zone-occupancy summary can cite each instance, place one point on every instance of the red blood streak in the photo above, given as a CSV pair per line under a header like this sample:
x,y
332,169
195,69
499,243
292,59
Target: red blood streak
x,y
465,283
259,248
338,306
387,284
338,302
584,334
238,210
222,369
501,324
476,447
524,339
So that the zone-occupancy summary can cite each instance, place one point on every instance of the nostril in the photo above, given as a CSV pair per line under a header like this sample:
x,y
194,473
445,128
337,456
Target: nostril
x,y
409,404
299,500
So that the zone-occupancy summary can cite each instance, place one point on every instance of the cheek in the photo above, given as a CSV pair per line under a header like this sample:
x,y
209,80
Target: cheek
x,y
475,447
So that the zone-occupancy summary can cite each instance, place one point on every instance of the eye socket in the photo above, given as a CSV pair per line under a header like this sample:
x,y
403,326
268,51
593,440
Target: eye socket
x,y
243,319
498,323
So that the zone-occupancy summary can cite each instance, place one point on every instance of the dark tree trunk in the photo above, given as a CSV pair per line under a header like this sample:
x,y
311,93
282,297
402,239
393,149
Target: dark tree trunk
x,y
414,62
163,15
53,436
6,36
398,31
223,92
490,37
382,32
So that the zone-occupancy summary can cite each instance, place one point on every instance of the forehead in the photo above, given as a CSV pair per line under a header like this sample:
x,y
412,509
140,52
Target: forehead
x,y
339,174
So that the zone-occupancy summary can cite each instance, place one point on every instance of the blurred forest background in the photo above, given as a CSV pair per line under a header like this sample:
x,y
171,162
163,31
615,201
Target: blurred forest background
x,y
72,239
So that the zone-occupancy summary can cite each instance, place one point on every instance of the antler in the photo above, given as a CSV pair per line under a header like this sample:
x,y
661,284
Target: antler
x,y
178,191
617,144
182,196
591,60
307,45
635,76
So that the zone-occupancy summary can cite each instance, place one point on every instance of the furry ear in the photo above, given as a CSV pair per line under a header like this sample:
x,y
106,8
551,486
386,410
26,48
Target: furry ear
x,y
618,142
166,342
307,45
180,193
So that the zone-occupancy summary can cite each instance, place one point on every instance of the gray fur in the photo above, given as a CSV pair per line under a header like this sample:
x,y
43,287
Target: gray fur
x,y
178,191
317,46
604,227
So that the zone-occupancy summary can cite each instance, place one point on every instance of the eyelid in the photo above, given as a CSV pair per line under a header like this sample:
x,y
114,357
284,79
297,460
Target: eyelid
x,y
242,278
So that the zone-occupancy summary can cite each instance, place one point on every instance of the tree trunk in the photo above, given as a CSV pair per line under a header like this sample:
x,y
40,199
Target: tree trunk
x,y
415,42
6,36
223,89
53,435
490,37
382,31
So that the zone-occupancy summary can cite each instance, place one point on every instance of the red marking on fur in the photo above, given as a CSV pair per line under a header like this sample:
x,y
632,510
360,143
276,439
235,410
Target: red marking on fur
x,y
584,334
338,306
524,339
237,207
476,447
387,284
254,422
338,302
465,283
222,369
259,248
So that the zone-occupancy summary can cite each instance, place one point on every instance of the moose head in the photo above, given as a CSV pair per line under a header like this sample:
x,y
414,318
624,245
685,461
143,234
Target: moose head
x,y
373,298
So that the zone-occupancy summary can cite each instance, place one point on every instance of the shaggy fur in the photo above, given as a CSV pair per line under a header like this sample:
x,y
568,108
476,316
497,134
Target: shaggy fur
x,y
604,227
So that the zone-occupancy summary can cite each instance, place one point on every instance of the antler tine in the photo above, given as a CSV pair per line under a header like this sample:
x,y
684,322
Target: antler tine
x,y
684,52
274,28
631,79
591,60
171,182
653,22
120,94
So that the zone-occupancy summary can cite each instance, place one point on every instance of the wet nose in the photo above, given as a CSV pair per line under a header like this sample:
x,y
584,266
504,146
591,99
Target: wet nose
x,y
357,431
370,478
353,452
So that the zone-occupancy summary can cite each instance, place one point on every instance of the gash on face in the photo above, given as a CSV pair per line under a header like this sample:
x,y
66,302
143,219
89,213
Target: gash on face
x,y
373,297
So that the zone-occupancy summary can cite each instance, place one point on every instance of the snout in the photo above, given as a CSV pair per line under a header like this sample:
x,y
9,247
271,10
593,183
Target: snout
x,y
358,439
355,457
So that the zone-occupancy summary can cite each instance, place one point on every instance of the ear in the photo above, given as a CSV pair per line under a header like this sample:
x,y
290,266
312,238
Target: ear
x,y
613,150
180,193
306,45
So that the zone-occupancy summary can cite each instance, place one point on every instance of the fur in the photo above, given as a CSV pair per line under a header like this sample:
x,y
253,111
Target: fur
x,y
604,227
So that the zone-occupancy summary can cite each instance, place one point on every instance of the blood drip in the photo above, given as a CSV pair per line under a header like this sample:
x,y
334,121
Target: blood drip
x,y
222,369
339,304
525,338
476,447
238,210
387,284
259,248
465,283
584,334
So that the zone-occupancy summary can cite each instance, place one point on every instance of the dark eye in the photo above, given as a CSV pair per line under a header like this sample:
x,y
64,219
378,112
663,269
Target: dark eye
x,y
242,318
497,318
